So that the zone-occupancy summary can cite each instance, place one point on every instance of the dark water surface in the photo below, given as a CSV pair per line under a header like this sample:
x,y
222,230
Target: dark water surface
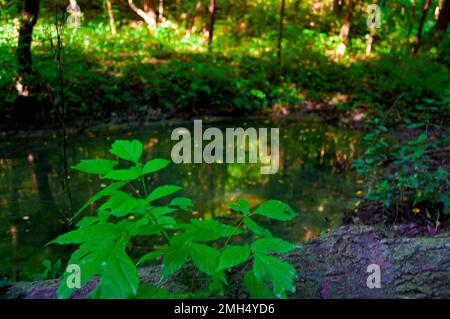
x,y
314,177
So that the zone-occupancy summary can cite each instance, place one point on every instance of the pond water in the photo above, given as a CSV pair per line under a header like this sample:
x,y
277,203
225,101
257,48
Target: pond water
x,y
314,178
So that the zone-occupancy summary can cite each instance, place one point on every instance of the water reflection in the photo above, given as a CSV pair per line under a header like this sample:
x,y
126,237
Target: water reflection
x,y
313,178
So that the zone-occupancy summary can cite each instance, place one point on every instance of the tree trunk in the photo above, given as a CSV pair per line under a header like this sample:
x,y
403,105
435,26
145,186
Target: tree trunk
x,y
111,17
337,13
411,17
161,11
444,16
280,31
426,7
148,14
369,41
29,16
145,5
331,266
345,28
212,12
198,6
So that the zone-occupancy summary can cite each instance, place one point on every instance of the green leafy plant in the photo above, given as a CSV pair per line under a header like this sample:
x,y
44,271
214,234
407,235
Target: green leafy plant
x,y
51,270
129,210
413,176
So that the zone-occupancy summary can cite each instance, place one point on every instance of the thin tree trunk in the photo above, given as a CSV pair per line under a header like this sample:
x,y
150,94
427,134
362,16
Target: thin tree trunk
x,y
161,10
212,12
29,16
444,17
345,28
280,31
178,9
198,6
411,19
145,5
148,15
111,17
369,42
337,13
426,7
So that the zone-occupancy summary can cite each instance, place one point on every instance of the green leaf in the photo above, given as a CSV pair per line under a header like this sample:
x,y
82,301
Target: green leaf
x,y
47,264
276,210
216,284
166,221
95,166
102,254
119,278
108,190
155,165
256,288
162,191
204,257
445,199
182,202
256,229
232,256
96,232
146,230
161,210
120,204
129,174
281,274
272,245
205,230
127,150
174,258
148,291
90,258
416,125
241,206
150,256
88,220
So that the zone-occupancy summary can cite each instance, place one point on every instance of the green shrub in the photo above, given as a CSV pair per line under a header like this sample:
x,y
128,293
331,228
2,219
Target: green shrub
x,y
412,177
131,211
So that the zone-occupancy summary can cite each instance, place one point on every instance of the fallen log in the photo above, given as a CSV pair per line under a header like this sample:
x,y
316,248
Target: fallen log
x,y
332,266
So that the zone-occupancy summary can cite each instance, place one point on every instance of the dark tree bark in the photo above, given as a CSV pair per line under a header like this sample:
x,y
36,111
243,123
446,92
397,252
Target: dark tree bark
x,y
444,17
280,31
337,13
331,266
417,41
337,7
29,15
437,34
212,13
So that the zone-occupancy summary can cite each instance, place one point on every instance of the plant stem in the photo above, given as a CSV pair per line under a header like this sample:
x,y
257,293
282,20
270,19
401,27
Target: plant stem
x,y
236,228
164,234
59,46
